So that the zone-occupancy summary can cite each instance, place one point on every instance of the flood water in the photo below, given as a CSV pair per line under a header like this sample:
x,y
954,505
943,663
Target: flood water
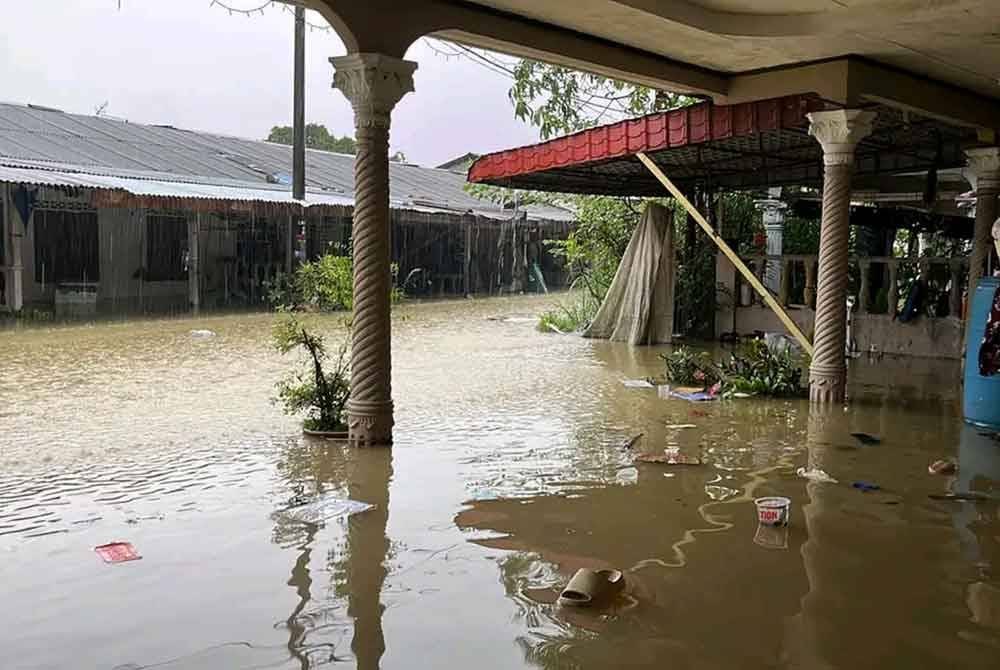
x,y
507,475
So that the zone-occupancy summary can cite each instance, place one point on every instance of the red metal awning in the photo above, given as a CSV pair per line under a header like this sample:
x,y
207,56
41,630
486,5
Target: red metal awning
x,y
745,146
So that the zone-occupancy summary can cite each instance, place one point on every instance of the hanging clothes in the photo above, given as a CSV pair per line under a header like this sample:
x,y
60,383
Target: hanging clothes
x,y
989,351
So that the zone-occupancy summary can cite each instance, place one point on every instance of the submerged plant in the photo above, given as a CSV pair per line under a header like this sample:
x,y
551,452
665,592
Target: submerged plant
x,y
688,367
759,369
755,369
570,315
321,394
325,285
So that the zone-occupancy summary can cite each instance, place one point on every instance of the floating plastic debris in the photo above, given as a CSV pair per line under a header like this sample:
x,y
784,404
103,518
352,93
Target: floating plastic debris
x,y
773,510
323,509
202,334
943,467
630,442
681,426
117,552
668,457
865,487
816,475
637,384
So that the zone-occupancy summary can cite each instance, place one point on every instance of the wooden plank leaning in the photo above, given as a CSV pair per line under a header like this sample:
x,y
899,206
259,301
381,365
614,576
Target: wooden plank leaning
x,y
775,306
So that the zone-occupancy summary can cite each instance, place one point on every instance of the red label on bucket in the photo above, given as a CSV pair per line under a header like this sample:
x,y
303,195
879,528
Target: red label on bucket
x,y
117,552
770,514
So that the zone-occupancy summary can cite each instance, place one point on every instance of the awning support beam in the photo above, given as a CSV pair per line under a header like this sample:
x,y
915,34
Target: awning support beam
x,y
775,306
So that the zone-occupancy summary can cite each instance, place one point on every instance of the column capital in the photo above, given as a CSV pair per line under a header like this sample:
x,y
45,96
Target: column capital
x,y
773,211
374,83
839,131
984,164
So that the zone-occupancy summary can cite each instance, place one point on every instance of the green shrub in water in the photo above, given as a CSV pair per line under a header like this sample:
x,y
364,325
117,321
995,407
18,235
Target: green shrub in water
x,y
570,316
325,284
321,394
757,369
690,368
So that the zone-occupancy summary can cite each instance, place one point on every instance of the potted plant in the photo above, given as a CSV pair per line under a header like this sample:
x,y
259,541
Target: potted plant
x,y
319,393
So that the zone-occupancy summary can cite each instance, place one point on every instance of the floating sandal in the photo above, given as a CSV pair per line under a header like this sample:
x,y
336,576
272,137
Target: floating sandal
x,y
589,587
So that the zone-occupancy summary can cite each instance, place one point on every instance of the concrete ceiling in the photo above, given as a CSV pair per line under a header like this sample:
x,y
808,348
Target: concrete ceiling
x,y
953,41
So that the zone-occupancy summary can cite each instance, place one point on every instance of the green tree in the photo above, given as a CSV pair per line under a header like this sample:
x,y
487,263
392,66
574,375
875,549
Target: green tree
x,y
559,100
317,137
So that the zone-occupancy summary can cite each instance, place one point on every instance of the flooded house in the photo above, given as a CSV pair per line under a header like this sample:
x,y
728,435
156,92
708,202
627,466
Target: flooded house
x,y
101,215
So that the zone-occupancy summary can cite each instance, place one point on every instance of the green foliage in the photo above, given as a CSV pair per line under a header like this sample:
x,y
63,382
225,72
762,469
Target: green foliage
x,y
325,285
571,315
755,369
318,393
759,370
317,137
687,367
559,100
594,249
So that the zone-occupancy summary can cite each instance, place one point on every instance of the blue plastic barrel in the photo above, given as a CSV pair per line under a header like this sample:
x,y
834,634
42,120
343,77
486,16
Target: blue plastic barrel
x,y
982,394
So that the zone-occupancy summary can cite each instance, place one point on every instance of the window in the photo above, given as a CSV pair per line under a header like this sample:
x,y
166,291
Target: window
x,y
166,245
66,246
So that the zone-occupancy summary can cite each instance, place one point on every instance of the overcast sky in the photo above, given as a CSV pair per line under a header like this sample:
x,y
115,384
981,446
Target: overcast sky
x,y
191,65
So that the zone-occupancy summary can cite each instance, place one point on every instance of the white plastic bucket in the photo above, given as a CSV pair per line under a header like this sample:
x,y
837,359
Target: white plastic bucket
x,y
773,510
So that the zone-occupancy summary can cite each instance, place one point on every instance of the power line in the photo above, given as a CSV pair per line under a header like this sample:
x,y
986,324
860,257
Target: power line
x,y
260,10
495,65
239,10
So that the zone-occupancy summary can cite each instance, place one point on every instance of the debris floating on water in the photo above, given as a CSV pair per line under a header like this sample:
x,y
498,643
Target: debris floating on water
x,y
117,552
816,475
681,426
202,334
943,467
323,509
865,438
961,496
637,384
865,487
773,510
668,457
631,441
590,587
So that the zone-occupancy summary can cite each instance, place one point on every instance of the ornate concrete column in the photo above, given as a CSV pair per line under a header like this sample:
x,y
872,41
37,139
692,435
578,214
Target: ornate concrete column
x,y
773,215
839,132
374,84
985,165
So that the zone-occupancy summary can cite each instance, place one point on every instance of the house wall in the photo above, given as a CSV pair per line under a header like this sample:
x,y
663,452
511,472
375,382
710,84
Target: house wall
x,y
437,246
122,287
925,337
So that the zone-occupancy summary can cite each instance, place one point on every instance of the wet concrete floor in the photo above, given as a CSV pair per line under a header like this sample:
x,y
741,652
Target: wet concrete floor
x,y
507,475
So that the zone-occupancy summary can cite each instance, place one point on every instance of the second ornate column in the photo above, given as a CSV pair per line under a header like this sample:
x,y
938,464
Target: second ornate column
x,y
839,132
374,83
985,164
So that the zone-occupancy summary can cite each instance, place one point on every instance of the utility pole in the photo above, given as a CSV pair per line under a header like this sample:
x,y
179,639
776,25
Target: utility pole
x,y
298,136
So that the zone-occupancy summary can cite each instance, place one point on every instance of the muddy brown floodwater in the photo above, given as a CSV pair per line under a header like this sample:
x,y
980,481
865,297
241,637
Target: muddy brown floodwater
x,y
506,476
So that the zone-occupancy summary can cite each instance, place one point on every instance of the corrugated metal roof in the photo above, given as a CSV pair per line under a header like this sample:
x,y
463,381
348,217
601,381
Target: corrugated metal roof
x,y
45,146
164,189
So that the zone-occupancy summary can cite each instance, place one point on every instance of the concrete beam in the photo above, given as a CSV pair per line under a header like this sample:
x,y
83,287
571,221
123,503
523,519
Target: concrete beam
x,y
852,82
390,27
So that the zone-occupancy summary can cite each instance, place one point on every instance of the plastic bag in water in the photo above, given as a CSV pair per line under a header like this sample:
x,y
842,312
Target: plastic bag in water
x,y
325,508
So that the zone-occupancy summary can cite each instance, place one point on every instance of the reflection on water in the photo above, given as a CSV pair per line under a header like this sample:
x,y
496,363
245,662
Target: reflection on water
x,y
507,476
